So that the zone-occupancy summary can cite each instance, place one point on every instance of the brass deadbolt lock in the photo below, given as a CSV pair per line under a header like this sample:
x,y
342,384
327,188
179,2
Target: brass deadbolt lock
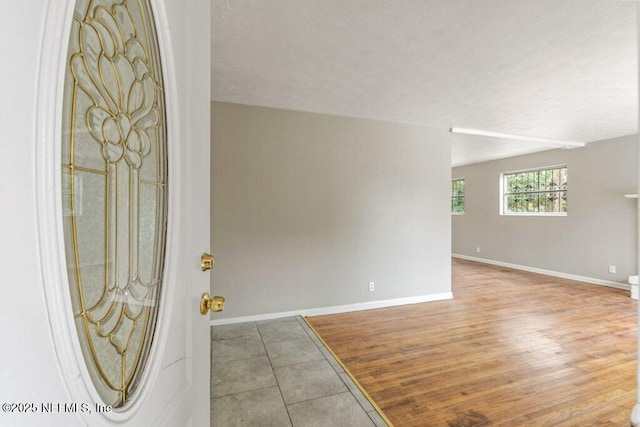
x,y
214,304
207,261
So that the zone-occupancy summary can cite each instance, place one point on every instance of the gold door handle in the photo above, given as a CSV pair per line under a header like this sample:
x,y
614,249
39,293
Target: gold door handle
x,y
207,261
214,304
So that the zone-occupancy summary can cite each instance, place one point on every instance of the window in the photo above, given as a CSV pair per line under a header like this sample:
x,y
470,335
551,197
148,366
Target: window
x,y
535,192
457,196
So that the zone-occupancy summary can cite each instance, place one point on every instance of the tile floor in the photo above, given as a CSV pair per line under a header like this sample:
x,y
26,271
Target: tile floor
x,y
278,373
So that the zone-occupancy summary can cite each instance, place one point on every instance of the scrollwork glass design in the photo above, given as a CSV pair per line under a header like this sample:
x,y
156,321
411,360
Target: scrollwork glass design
x,y
114,188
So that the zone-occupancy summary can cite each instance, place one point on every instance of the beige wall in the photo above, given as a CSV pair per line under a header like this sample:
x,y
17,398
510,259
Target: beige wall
x,y
307,209
599,230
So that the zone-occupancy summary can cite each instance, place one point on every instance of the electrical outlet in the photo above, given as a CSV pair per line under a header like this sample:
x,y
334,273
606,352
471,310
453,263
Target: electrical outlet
x,y
372,287
612,269
478,249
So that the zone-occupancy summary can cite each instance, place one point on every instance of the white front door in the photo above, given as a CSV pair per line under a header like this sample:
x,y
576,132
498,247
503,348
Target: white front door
x,y
44,378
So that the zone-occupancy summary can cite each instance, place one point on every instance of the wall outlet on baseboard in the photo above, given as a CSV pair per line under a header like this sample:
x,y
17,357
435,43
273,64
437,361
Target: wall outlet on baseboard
x,y
372,287
477,249
612,269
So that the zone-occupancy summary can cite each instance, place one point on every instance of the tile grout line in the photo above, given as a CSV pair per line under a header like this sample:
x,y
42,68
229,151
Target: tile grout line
x,y
245,391
322,397
346,370
273,371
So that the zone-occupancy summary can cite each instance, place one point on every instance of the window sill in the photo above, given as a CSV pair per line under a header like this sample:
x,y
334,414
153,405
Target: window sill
x,y
556,214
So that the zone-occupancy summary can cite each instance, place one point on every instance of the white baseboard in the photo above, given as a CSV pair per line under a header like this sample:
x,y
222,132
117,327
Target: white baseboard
x,y
591,280
633,281
335,309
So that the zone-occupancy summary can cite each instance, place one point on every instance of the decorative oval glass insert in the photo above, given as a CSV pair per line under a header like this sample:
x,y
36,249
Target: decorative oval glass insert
x,y
114,188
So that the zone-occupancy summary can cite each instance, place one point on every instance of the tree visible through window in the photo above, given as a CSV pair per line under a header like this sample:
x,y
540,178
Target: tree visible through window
x,y
457,195
539,192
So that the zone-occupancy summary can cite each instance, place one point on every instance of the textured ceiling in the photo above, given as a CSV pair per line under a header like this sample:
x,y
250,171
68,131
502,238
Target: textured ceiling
x,y
560,69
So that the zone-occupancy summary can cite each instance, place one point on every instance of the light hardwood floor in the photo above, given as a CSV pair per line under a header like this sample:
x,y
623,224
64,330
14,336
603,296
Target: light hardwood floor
x,y
512,348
